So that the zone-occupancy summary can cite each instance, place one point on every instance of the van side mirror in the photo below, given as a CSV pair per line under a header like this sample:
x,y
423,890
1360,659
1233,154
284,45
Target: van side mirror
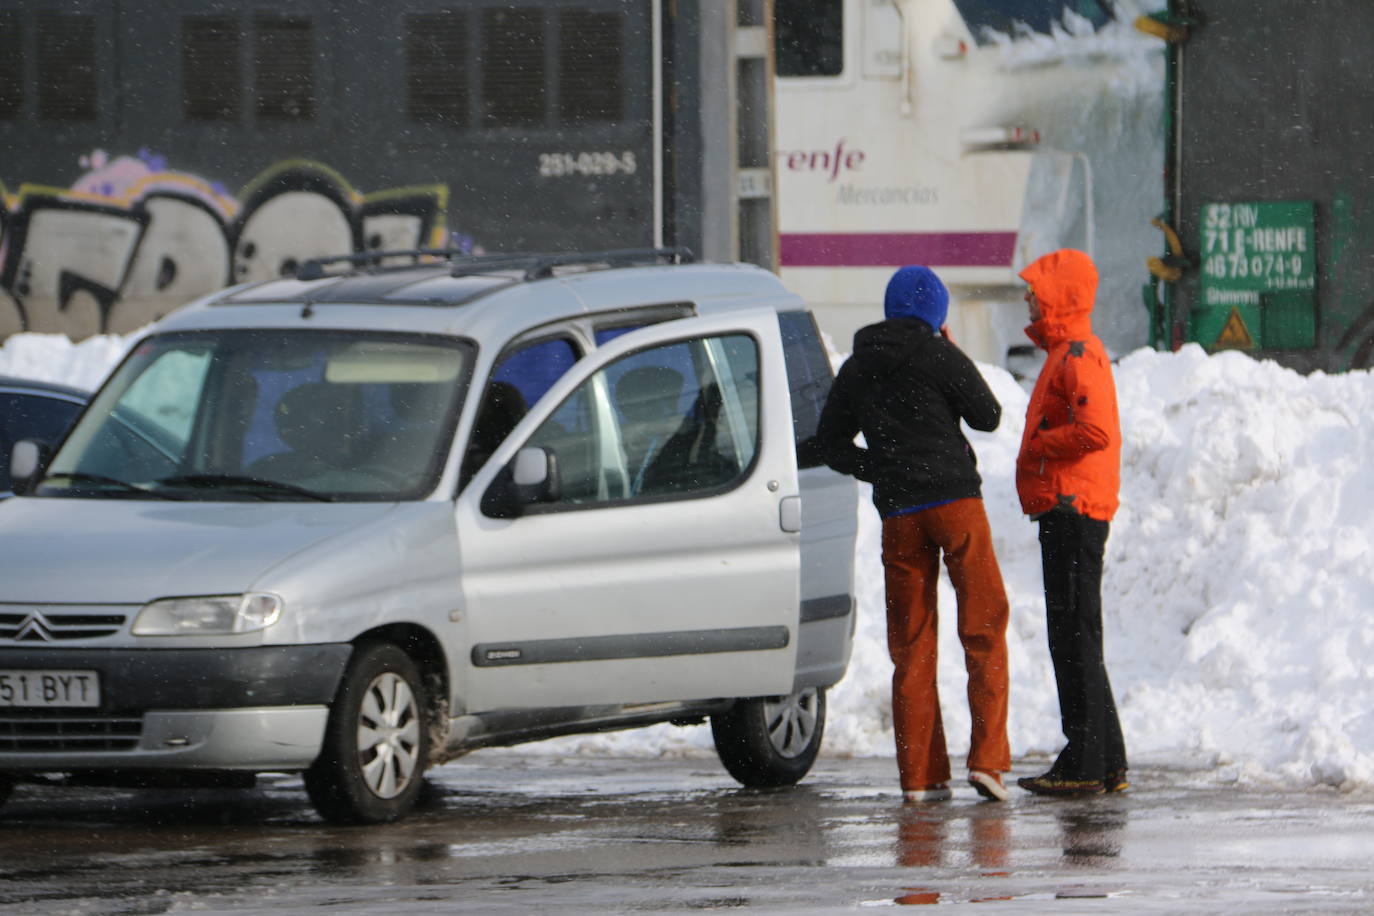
x,y
531,478
535,475
26,457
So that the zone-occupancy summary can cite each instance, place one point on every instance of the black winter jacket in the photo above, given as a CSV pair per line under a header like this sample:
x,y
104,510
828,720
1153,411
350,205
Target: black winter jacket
x,y
906,388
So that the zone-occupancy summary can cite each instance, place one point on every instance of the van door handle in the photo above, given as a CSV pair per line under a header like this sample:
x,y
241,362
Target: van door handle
x,y
789,513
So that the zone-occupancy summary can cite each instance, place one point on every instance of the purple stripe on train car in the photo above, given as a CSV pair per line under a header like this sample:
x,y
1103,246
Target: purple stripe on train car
x,y
893,249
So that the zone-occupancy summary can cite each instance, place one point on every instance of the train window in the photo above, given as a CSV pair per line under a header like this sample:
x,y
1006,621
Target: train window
x,y
436,77
590,56
67,89
808,37
513,67
11,66
211,75
985,17
283,75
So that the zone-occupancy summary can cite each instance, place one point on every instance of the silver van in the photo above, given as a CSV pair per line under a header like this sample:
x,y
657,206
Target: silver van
x,y
361,521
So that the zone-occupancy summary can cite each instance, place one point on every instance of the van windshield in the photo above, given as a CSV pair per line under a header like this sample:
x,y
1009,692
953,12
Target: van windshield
x,y
268,415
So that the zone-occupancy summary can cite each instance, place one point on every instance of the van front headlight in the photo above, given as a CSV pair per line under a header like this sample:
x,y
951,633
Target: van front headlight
x,y
213,615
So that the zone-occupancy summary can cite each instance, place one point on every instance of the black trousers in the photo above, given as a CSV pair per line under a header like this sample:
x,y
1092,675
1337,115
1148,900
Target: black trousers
x,y
1071,549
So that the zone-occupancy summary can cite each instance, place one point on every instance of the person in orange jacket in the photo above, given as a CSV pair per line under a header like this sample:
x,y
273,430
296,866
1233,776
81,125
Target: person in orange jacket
x,y
1068,475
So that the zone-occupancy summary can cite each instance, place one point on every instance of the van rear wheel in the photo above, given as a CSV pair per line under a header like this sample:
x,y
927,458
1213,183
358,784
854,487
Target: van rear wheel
x,y
771,741
375,746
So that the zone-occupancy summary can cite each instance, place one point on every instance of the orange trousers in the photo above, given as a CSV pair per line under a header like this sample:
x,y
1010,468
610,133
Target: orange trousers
x,y
912,545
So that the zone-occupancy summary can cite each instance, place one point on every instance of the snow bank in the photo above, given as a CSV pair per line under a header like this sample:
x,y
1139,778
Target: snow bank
x,y
1237,594
1239,575
1100,128
54,358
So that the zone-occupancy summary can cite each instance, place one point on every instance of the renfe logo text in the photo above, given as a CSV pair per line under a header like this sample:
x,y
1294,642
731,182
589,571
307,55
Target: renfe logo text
x,y
828,162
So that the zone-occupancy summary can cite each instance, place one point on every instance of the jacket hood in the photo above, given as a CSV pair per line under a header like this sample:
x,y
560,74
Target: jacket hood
x,y
915,292
887,344
1065,285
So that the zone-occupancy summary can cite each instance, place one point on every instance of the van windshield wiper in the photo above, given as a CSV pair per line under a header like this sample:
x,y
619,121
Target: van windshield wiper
x,y
123,486
257,486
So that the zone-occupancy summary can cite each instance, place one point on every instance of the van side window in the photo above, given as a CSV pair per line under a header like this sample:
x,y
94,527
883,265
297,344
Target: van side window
x,y
809,375
520,377
606,335
673,421
607,330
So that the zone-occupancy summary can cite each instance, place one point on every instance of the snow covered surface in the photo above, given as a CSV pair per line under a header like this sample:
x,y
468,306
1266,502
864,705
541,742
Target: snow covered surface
x,y
1101,129
54,358
1238,597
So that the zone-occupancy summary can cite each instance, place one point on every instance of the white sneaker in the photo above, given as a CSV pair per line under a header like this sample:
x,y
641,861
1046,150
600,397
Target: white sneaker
x,y
988,785
932,794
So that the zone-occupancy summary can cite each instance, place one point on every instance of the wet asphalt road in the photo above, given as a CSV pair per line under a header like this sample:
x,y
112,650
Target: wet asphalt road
x,y
510,833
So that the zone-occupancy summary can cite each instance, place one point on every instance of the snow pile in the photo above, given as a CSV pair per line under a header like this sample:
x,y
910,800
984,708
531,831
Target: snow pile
x,y
1237,594
1239,577
54,358
1095,180
1074,40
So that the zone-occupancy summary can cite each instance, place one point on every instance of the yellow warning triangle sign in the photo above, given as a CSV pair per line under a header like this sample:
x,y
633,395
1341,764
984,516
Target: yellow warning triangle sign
x,y
1235,335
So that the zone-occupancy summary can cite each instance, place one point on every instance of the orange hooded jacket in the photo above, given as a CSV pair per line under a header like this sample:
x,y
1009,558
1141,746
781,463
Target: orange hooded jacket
x,y
1071,448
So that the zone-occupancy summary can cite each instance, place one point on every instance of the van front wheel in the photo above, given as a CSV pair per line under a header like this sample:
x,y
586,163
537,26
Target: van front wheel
x,y
771,741
376,744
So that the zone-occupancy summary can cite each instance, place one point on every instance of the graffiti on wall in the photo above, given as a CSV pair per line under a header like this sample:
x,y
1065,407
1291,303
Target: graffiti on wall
x,y
132,239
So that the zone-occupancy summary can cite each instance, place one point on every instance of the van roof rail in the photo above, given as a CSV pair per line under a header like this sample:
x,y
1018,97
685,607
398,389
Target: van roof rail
x,y
462,264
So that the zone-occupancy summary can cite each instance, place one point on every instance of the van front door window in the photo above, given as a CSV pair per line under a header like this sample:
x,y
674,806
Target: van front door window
x,y
671,421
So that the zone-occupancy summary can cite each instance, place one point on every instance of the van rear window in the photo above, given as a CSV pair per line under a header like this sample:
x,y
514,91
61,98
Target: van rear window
x,y
808,372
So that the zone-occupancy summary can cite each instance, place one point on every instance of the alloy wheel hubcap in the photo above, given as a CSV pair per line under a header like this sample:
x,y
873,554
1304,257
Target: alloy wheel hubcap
x,y
792,721
388,735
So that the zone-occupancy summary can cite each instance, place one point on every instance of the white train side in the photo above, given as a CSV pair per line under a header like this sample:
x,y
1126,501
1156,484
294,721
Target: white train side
x,y
938,132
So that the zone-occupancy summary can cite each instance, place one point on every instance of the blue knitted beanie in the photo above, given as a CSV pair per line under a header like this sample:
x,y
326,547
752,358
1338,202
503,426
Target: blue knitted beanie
x,y
915,292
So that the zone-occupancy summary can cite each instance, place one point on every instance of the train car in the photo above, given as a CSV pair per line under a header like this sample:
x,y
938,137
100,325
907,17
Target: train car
x,y
1270,177
971,136
155,150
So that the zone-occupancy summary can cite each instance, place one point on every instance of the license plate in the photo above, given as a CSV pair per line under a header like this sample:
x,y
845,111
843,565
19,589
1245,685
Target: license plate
x,y
49,687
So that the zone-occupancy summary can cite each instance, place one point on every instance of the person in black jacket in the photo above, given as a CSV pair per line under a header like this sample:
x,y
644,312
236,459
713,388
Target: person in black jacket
x,y
906,387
